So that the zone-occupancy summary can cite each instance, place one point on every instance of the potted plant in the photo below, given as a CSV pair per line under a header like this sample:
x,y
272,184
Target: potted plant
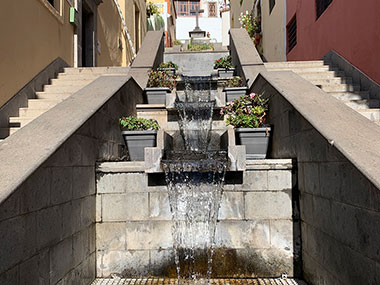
x,y
234,88
170,67
247,115
224,66
138,133
159,84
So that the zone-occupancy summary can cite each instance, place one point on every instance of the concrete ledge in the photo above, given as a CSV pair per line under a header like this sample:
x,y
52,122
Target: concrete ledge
x,y
120,166
357,138
21,156
269,164
151,52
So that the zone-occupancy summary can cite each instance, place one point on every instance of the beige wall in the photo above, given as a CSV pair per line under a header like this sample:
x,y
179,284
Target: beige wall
x,y
32,36
273,29
236,9
110,30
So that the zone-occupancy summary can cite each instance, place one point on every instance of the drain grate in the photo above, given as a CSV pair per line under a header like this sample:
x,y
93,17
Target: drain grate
x,y
159,281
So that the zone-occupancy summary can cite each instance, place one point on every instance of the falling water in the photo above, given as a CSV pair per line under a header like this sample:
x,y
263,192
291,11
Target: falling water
x,y
195,177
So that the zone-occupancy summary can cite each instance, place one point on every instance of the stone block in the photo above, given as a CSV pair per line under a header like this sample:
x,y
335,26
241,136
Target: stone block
x,y
110,236
83,182
80,246
254,181
243,234
162,262
148,235
334,179
124,207
61,260
311,178
29,272
11,206
61,185
36,191
159,207
121,182
268,205
71,216
98,215
279,179
153,157
231,206
49,226
281,234
124,263
359,192
88,210
10,277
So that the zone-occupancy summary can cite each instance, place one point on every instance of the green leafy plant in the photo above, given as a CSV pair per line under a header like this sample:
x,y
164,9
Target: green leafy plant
x,y
151,9
223,62
168,64
161,79
199,47
177,43
248,111
138,124
235,81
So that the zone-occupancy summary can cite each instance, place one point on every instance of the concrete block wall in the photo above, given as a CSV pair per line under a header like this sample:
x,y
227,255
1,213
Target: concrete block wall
x,y
47,225
255,233
340,212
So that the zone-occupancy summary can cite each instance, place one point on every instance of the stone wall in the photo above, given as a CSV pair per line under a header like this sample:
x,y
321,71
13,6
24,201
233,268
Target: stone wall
x,y
256,232
340,213
47,224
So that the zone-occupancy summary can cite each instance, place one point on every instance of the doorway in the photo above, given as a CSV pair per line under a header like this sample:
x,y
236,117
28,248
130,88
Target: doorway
x,y
88,37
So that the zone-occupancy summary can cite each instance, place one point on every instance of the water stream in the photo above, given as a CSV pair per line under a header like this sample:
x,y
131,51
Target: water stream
x,y
195,178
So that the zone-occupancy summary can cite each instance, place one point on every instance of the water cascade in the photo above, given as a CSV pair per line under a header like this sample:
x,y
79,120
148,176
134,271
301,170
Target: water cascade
x,y
195,176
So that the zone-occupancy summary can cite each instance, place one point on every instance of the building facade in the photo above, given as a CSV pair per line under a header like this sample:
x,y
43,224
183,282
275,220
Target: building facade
x,y
210,19
36,32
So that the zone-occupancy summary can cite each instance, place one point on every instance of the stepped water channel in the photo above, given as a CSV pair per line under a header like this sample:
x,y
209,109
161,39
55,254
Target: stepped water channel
x,y
196,211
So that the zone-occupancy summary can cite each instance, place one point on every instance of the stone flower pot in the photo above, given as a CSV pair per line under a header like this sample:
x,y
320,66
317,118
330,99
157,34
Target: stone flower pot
x,y
156,95
256,141
137,141
169,70
226,72
234,92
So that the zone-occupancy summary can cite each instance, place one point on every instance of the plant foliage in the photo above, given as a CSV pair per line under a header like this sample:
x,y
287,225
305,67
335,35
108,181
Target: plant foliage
x,y
138,124
223,62
177,43
199,47
235,81
168,64
151,9
161,79
248,111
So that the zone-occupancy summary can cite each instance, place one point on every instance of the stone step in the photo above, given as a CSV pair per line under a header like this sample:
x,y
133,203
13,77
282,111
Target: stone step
x,y
13,130
372,114
77,76
70,82
305,69
42,103
294,64
321,74
64,89
96,70
339,88
52,96
17,122
29,112
363,104
357,95
332,80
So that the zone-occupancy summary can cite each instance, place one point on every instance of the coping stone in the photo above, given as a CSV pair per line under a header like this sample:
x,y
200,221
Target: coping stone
x,y
120,166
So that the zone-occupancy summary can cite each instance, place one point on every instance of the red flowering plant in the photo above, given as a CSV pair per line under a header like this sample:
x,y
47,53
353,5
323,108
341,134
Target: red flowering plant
x,y
223,62
161,79
248,111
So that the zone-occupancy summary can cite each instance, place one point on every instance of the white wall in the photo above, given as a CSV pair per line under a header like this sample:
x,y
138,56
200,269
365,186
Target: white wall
x,y
187,24
226,24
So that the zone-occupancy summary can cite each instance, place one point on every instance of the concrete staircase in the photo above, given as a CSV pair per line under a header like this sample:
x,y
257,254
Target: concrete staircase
x,y
333,81
67,83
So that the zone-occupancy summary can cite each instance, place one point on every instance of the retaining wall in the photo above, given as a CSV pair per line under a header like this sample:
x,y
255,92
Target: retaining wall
x,y
256,234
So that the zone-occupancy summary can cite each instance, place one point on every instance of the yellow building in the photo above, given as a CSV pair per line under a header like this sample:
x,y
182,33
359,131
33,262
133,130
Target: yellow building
x,y
34,33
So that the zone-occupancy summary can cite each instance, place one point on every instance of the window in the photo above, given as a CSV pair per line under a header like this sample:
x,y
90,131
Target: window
x,y
271,5
55,4
186,8
321,6
212,9
291,31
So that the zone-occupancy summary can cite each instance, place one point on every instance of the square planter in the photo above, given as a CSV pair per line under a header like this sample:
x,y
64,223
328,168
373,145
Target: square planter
x,y
234,92
156,95
168,70
256,141
224,72
137,141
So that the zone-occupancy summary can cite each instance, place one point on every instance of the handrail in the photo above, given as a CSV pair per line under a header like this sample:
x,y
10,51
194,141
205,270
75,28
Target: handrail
x,y
126,33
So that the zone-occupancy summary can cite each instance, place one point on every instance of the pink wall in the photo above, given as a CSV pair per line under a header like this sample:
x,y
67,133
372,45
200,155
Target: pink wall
x,y
350,27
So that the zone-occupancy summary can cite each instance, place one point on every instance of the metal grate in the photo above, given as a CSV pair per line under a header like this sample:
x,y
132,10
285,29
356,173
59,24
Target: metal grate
x,y
158,281
321,6
292,33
